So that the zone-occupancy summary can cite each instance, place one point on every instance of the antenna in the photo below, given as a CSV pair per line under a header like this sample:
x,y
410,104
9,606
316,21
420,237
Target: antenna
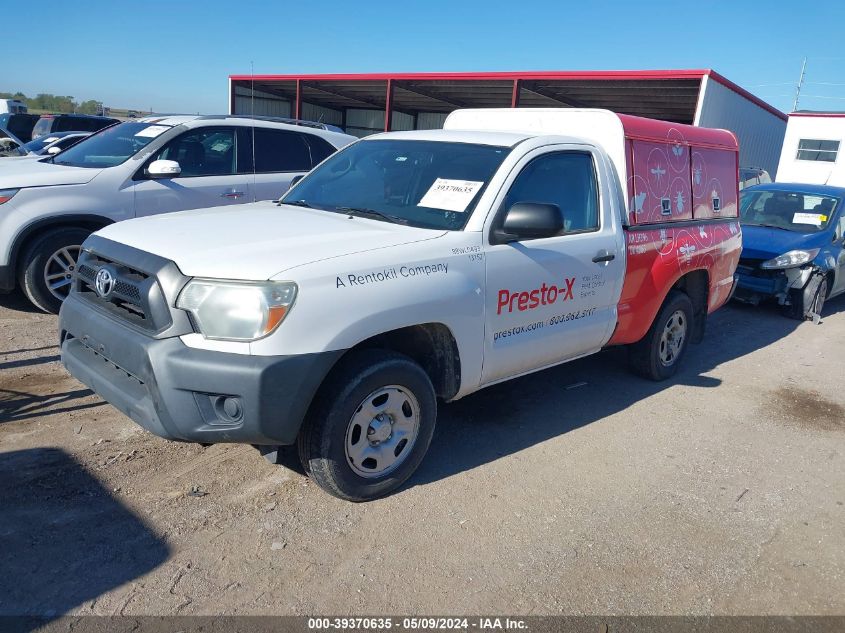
x,y
800,83
252,123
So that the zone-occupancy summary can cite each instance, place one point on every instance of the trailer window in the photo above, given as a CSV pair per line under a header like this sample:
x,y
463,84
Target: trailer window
x,y
818,150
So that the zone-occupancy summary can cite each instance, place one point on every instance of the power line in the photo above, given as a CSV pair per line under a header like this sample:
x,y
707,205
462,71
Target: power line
x,y
823,97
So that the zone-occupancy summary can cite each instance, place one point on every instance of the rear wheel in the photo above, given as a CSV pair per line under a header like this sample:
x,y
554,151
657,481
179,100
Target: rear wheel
x,y
48,265
659,353
370,426
808,302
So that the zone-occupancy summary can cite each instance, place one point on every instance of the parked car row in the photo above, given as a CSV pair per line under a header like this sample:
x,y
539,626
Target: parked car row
x,y
28,127
9,144
47,145
144,167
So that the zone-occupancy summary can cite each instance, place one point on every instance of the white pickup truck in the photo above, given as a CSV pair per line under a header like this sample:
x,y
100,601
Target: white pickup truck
x,y
407,268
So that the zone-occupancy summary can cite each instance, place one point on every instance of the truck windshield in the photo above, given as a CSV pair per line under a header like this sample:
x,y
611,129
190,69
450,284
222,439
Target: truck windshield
x,y
427,184
789,210
112,146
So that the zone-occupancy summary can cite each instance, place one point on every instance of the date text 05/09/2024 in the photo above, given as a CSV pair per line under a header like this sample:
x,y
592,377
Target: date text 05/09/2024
x,y
429,623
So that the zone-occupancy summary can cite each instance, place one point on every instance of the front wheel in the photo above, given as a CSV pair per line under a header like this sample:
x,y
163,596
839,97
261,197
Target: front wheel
x,y
370,425
48,266
659,353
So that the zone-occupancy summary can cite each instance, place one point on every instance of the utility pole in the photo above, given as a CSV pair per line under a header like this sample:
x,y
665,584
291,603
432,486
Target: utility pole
x,y
800,83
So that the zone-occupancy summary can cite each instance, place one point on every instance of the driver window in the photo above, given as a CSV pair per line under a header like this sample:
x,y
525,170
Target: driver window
x,y
203,152
566,179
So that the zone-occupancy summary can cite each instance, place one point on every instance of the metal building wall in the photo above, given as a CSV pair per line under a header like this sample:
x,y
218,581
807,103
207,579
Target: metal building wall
x,y
311,112
402,122
760,132
364,122
430,120
262,104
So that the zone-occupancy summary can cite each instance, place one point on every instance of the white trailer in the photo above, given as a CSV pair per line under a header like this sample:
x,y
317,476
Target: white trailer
x,y
810,151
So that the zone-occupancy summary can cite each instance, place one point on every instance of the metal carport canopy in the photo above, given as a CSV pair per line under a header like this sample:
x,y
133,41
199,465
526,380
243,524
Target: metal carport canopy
x,y
670,95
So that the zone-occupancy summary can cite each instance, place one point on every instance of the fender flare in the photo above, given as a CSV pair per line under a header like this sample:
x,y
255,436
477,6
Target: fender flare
x,y
88,220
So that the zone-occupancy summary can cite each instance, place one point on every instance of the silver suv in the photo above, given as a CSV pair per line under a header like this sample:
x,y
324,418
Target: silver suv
x,y
145,167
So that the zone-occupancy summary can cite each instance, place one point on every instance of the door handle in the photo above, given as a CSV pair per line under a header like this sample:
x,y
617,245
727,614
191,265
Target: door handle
x,y
231,194
604,256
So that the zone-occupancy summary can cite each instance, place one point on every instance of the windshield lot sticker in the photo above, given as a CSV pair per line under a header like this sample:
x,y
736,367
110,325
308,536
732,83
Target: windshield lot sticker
x,y
807,218
451,195
153,130
388,274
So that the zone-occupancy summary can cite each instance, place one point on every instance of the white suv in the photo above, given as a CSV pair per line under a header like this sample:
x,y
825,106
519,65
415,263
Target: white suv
x,y
138,168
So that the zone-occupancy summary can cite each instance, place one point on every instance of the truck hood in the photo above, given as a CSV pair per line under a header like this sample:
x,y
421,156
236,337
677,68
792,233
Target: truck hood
x,y
257,241
16,174
760,242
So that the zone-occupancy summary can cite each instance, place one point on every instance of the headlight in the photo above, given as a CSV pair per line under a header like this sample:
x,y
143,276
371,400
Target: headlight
x,y
791,259
7,194
233,311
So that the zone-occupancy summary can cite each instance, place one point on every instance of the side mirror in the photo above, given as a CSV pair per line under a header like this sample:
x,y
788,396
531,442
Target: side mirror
x,y
54,150
163,169
529,220
295,180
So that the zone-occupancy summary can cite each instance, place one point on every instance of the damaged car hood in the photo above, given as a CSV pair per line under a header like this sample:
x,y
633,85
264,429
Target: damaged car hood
x,y
762,242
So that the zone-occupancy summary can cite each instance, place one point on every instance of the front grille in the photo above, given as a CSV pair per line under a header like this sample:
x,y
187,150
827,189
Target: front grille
x,y
751,268
144,291
131,296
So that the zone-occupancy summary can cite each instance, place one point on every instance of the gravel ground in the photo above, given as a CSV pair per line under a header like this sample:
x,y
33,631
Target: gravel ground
x,y
578,490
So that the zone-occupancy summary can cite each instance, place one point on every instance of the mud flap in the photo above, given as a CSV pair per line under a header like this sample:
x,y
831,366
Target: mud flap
x,y
699,327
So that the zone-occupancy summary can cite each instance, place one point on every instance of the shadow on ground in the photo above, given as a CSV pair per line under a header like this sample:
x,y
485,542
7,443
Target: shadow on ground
x,y
66,539
16,406
16,301
509,417
29,362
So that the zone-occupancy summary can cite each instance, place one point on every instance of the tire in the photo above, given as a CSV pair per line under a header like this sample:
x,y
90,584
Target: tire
x,y
659,353
807,301
52,254
352,462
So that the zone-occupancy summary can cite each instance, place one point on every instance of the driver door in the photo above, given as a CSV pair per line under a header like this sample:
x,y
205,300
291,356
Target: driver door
x,y
209,175
551,299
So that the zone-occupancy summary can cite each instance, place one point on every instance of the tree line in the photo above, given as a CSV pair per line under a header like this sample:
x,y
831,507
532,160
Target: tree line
x,y
56,103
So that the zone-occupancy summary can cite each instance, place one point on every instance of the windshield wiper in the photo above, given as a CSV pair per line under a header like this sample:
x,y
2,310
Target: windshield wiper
x,y
766,226
295,203
372,213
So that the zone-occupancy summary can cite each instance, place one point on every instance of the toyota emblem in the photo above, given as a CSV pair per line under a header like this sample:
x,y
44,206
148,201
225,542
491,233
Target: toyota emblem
x,y
104,283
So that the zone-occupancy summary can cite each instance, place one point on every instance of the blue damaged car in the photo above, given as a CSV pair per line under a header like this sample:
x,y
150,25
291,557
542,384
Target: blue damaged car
x,y
792,246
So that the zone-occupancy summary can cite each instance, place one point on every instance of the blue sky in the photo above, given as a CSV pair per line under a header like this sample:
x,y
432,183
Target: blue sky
x,y
176,56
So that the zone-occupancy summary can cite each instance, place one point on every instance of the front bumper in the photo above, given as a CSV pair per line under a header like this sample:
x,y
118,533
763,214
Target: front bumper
x,y
755,284
754,289
186,394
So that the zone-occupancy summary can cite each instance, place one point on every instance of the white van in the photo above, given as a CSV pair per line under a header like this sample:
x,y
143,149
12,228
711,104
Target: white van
x,y
12,106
